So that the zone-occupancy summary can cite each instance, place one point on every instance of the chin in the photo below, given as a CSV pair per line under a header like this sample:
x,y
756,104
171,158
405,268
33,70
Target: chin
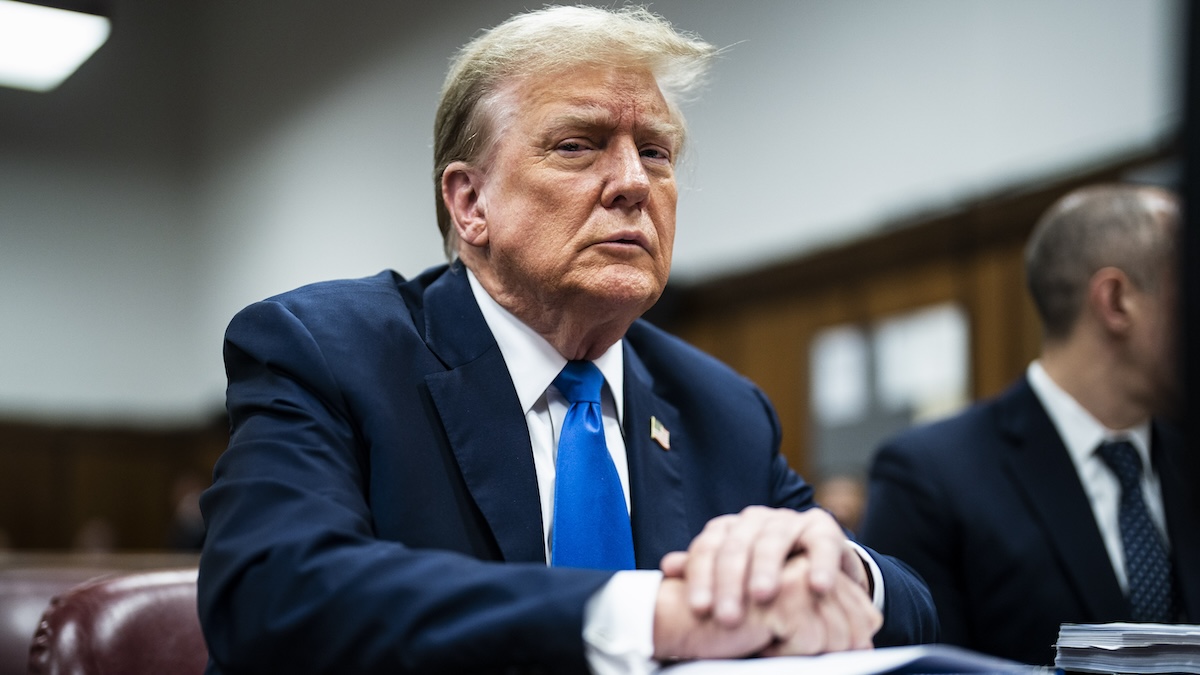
x,y
629,291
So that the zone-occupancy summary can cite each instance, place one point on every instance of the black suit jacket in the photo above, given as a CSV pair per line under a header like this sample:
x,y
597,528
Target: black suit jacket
x,y
988,507
377,508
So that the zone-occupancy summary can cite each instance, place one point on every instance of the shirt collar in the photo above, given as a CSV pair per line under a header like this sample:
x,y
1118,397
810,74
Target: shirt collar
x,y
1080,431
532,362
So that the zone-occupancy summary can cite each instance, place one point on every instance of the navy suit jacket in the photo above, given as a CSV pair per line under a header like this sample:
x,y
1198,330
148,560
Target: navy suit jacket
x,y
377,508
988,507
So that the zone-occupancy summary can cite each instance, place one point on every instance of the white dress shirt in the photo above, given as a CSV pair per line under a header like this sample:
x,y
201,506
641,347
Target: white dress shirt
x,y
618,627
1082,434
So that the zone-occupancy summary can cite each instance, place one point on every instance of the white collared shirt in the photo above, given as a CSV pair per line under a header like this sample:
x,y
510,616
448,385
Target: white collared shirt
x,y
618,626
1082,434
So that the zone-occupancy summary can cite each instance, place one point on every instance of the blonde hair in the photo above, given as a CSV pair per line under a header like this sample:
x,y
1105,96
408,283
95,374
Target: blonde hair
x,y
552,40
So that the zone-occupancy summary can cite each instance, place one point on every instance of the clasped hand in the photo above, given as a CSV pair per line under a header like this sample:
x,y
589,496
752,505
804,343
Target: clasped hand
x,y
766,582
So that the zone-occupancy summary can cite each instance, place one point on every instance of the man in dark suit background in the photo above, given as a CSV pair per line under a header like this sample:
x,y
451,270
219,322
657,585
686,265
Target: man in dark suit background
x,y
1010,510
389,498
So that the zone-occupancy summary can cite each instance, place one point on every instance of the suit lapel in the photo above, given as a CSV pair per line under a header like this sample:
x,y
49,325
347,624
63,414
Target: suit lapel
x,y
1179,505
482,417
1038,463
659,512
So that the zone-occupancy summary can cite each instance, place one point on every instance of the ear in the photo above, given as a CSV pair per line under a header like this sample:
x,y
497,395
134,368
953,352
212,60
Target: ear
x,y
1111,298
462,194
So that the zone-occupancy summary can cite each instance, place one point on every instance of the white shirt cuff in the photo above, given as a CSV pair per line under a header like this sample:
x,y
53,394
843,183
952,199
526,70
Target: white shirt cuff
x,y
618,624
618,621
876,575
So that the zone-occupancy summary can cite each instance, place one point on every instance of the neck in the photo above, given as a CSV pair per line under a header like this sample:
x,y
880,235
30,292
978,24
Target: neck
x,y
1094,379
575,340
575,330
579,328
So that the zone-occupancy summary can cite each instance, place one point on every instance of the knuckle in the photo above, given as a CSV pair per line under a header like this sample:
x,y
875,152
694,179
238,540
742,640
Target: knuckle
x,y
718,524
699,546
755,509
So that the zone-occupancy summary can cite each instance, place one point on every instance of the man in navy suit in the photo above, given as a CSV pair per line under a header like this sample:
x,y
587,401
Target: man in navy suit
x,y
1009,510
387,502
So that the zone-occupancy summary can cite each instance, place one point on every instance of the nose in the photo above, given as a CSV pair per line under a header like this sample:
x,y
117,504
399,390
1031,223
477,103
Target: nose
x,y
627,184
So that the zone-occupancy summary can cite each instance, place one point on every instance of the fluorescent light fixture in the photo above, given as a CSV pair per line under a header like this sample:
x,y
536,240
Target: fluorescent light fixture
x,y
41,46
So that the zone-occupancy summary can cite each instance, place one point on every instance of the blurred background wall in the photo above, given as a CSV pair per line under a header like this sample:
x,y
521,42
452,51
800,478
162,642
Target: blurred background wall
x,y
851,161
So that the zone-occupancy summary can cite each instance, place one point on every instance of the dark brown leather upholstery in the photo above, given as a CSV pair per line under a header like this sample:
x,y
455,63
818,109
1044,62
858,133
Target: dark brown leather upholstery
x,y
129,624
24,593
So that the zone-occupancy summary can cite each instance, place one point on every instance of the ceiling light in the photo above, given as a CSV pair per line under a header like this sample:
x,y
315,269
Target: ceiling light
x,y
41,46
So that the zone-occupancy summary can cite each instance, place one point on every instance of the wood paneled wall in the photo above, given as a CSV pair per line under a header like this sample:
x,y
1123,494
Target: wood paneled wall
x,y
55,479
762,323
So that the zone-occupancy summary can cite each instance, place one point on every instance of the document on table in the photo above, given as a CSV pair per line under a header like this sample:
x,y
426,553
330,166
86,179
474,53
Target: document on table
x,y
922,659
1129,648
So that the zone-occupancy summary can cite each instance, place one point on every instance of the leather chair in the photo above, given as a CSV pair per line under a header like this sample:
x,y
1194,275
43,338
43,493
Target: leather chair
x,y
129,624
25,590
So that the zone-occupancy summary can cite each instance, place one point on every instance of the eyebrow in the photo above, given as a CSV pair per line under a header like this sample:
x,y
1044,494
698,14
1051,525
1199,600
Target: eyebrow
x,y
598,117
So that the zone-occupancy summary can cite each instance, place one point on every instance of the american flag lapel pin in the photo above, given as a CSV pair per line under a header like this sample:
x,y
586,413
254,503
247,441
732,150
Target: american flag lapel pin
x,y
659,433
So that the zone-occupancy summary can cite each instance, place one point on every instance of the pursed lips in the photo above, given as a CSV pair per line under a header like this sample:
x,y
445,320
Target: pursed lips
x,y
627,238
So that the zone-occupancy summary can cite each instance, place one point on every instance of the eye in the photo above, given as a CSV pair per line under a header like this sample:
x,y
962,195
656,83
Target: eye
x,y
572,148
656,153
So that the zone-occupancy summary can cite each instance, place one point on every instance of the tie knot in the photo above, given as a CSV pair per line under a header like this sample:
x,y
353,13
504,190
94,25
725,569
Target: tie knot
x,y
580,381
1122,458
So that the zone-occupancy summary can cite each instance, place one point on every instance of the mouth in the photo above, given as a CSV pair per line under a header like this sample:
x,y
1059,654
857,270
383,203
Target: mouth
x,y
627,238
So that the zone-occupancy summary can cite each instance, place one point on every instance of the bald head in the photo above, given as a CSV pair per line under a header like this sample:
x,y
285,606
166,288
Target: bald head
x,y
1130,227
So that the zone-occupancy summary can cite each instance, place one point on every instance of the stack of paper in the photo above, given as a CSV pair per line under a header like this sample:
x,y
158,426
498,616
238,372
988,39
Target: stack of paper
x,y
1128,648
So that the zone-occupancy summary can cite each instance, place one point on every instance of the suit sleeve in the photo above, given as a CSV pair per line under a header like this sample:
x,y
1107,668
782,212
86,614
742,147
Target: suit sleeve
x,y
908,518
292,577
909,616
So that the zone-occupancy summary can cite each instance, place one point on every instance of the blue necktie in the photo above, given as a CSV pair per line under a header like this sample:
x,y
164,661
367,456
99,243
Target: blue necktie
x,y
591,524
1147,564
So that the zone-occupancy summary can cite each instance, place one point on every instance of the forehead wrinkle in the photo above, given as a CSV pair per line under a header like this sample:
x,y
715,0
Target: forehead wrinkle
x,y
599,117
586,116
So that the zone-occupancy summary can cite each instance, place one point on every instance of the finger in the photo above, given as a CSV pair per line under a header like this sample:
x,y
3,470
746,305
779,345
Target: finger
x,y
776,542
732,565
864,636
674,564
836,614
841,619
854,566
823,542
700,564
805,634
864,619
792,617
680,634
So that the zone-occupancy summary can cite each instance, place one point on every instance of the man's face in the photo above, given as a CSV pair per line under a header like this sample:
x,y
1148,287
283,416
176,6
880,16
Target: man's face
x,y
579,194
1156,346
